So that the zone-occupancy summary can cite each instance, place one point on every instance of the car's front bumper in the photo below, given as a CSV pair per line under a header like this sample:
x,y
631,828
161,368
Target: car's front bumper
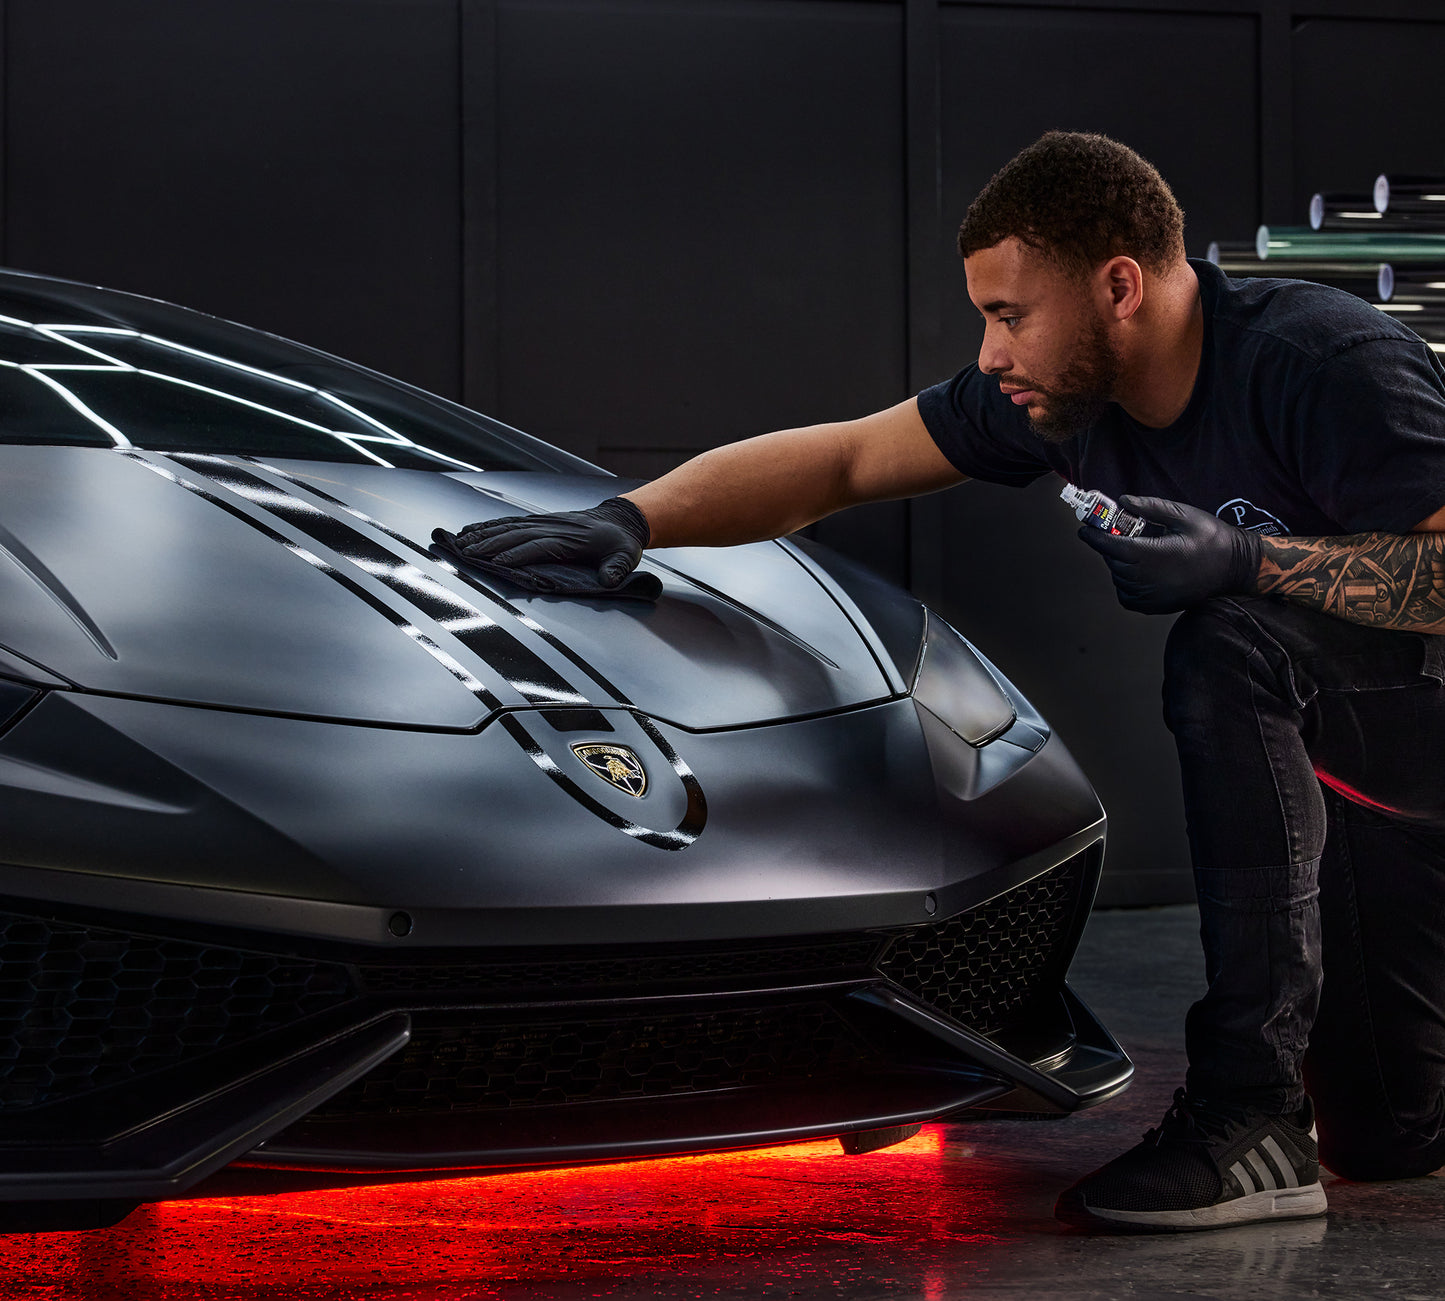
x,y
523,1057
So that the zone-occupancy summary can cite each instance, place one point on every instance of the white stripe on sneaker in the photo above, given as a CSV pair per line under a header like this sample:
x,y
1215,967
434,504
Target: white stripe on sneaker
x,y
1263,1173
1286,1167
1242,1175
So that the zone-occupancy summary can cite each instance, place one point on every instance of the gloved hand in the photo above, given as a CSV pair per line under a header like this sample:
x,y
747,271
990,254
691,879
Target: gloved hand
x,y
576,553
1196,557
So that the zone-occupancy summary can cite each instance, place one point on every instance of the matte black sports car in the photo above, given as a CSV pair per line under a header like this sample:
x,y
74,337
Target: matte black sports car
x,y
319,852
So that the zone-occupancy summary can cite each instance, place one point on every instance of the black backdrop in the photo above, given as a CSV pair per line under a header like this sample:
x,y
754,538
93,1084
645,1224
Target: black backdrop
x,y
642,227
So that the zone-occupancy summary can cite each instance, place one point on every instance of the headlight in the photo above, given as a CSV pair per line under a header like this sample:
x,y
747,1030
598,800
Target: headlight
x,y
954,686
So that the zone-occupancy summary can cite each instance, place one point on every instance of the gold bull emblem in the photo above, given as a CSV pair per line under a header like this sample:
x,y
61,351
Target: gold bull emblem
x,y
616,765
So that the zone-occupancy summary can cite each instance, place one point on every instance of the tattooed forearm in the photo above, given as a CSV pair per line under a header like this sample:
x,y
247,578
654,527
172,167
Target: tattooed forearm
x,y
1386,580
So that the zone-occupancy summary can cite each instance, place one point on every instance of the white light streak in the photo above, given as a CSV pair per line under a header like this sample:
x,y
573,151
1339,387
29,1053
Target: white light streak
x,y
452,666
356,447
90,329
59,333
76,365
231,397
361,415
48,332
118,438
400,439
296,549
536,691
273,497
226,361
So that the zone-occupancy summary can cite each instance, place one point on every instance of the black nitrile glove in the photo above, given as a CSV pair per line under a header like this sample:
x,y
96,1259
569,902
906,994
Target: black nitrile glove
x,y
1196,557
567,553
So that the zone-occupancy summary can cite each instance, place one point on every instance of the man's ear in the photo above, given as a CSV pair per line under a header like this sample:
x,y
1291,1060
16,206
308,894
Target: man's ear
x,y
1121,284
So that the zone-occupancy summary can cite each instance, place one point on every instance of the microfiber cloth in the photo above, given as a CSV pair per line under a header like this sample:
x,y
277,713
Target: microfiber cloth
x,y
552,579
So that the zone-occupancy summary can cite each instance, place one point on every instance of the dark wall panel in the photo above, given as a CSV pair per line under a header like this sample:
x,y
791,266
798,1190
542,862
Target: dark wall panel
x,y
292,164
701,220
1369,97
1182,89
1015,578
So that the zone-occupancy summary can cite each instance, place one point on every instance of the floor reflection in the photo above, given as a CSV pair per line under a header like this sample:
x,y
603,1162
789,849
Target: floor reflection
x,y
960,1211
890,1221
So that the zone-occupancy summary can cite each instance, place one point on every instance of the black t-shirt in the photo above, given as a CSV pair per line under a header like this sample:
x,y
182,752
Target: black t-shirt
x,y
1313,414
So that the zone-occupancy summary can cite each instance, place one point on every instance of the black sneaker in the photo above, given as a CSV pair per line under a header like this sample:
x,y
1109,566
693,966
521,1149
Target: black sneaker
x,y
1205,1167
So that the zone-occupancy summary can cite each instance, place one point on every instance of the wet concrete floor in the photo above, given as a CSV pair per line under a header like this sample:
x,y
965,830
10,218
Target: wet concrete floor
x,y
961,1210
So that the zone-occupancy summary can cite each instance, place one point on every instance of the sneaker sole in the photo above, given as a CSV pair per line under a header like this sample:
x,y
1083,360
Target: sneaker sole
x,y
1256,1208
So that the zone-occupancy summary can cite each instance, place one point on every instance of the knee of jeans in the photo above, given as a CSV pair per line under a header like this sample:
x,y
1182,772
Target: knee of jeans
x,y
1372,1153
1205,647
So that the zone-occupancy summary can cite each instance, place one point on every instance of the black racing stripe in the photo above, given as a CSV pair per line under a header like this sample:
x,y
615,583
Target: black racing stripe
x,y
694,817
525,672
469,578
412,633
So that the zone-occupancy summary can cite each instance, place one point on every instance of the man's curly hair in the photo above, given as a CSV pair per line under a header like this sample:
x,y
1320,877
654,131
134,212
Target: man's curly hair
x,y
1080,199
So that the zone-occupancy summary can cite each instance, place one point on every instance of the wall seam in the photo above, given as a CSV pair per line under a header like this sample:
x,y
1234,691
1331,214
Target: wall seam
x,y
479,149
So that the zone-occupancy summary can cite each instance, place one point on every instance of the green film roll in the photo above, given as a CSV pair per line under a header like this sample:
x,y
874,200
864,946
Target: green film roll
x,y
1299,243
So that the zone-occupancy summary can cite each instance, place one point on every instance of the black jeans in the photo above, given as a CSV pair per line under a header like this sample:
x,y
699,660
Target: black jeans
x,y
1312,752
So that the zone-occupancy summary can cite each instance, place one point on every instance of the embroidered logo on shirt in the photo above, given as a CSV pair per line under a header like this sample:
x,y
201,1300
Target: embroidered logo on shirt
x,y
1246,515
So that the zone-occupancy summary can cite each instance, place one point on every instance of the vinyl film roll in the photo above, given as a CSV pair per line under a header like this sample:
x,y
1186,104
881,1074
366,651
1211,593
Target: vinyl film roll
x,y
1425,285
1411,196
1299,243
1355,212
1220,251
1359,278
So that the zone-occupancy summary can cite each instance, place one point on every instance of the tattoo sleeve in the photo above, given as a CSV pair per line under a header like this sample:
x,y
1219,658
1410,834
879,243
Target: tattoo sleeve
x,y
1385,580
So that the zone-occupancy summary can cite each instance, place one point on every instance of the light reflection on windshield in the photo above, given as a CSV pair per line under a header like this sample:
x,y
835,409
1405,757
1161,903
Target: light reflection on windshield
x,y
113,386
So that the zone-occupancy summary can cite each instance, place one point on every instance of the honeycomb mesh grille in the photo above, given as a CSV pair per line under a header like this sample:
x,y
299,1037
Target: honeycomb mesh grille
x,y
983,966
717,969
83,1007
482,1067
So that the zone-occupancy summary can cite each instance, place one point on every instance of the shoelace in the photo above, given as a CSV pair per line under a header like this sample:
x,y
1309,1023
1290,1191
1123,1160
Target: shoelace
x,y
1192,1120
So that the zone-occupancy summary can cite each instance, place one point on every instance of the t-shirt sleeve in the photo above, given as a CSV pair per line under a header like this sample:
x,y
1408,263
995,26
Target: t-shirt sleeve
x,y
1372,445
983,434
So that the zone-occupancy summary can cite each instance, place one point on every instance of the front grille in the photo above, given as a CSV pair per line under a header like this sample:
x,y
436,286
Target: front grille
x,y
983,966
461,1067
83,1007
717,969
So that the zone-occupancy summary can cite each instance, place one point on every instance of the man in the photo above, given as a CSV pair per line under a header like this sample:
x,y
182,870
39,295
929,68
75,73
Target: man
x,y
1287,444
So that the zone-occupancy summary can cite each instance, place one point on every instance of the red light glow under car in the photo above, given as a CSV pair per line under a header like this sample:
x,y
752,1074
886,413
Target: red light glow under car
x,y
787,1220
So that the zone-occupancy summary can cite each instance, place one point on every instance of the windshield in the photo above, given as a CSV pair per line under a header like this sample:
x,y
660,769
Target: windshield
x,y
67,376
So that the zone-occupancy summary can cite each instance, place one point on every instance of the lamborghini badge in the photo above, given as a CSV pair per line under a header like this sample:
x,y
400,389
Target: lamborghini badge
x,y
616,764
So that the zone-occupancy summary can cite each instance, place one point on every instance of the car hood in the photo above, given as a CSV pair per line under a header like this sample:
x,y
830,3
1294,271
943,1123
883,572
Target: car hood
x,y
308,588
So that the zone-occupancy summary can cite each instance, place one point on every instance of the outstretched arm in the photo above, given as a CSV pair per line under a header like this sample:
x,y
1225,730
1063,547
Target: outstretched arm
x,y
744,492
771,485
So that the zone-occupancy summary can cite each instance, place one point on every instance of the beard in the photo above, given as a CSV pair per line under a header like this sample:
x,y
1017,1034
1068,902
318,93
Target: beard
x,y
1078,398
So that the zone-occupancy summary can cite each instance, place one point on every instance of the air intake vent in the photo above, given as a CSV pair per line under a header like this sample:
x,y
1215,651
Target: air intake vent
x,y
982,966
82,1007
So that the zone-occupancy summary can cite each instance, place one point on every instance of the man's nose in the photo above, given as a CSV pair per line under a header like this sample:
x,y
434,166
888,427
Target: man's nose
x,y
993,358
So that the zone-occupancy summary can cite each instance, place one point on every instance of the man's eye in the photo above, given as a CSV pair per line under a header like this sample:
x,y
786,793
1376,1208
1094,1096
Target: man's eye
x,y
1010,321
